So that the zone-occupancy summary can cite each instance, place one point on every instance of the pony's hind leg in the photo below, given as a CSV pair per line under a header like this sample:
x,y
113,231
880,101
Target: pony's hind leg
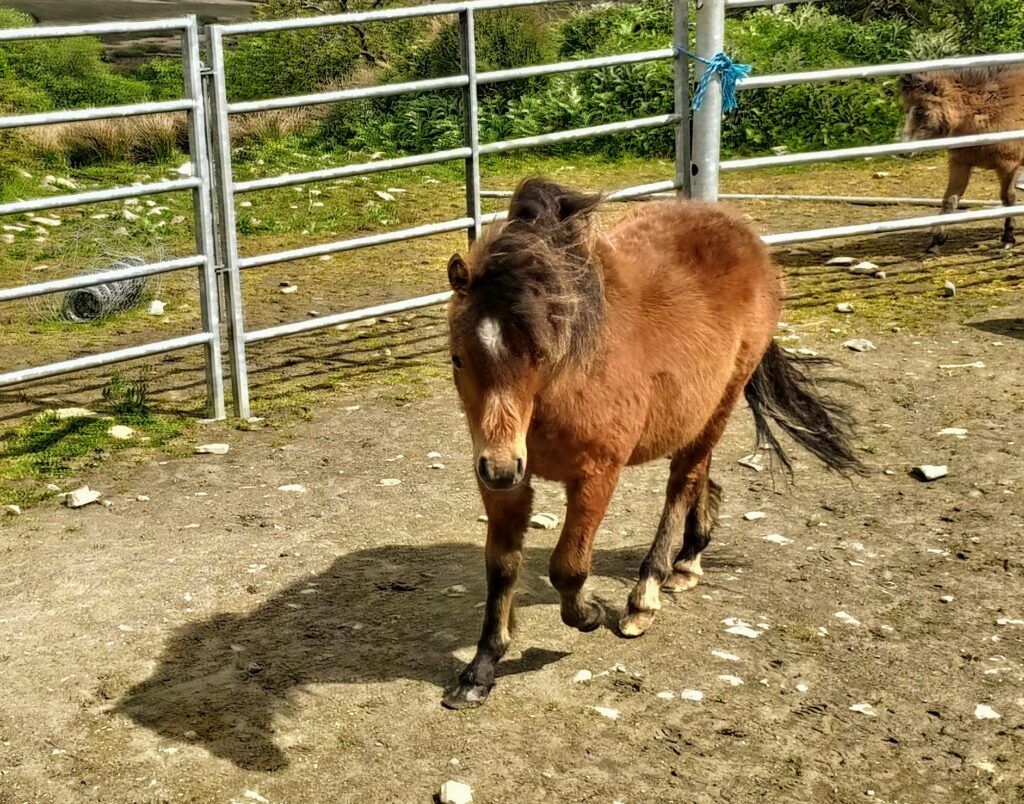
x,y
1008,195
686,570
959,176
508,514
687,481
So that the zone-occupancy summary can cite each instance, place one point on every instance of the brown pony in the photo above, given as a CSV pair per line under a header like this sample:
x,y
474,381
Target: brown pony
x,y
973,101
577,353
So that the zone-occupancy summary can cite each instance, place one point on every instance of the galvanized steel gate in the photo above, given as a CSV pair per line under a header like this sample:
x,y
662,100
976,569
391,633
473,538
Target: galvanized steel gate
x,y
214,187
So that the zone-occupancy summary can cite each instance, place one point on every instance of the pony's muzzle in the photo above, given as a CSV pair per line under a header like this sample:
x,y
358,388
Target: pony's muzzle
x,y
500,475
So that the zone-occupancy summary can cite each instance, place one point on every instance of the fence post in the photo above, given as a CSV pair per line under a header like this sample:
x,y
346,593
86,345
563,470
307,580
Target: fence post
x,y
467,41
202,200
707,121
217,100
680,37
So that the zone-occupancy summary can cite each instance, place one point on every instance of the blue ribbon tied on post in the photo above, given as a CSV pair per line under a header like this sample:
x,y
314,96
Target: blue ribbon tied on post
x,y
728,71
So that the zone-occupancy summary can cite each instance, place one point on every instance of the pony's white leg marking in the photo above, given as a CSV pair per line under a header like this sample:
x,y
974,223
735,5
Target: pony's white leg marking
x,y
650,596
685,575
489,332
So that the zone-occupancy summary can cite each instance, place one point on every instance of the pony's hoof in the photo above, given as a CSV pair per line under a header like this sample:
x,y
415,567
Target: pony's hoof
x,y
591,618
635,623
681,581
934,250
466,696
1008,244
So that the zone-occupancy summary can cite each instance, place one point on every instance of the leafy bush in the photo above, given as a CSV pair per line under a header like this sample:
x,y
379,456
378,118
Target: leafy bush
x,y
997,26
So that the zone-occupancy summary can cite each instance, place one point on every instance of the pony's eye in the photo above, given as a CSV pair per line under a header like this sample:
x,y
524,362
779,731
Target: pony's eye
x,y
456,361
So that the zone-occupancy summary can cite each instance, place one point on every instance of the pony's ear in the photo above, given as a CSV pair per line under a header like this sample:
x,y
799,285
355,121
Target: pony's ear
x,y
918,83
541,201
458,274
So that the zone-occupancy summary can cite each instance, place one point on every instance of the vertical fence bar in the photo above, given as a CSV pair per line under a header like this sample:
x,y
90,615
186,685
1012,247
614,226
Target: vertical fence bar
x,y
467,40
227,230
707,121
681,43
202,200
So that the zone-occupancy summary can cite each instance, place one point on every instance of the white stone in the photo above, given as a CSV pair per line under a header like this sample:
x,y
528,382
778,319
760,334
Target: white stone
x,y
947,599
544,521
436,466
457,590
750,516
156,307
929,472
985,712
863,268
81,496
843,261
958,432
776,538
948,289
864,709
848,619
433,455
292,488
142,498
120,432
604,711
582,676
52,487
252,795
45,221
752,462
692,695
383,195
390,481
13,510
743,631
75,413
801,687
728,657
844,307
212,449
733,681
184,170
453,792
859,345
286,289
666,695
1009,621
975,364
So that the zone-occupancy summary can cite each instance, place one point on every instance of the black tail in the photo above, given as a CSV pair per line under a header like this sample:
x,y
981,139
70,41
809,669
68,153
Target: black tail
x,y
782,391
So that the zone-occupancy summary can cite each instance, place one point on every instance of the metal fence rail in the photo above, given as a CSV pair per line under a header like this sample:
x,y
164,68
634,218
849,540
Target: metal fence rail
x,y
468,81
193,106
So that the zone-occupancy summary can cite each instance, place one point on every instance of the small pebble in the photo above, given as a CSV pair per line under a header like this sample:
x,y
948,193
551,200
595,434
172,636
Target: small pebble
x,y
692,695
390,481
212,449
544,521
844,307
841,261
948,289
12,510
582,676
604,711
292,488
985,712
859,345
453,792
927,472
750,516
864,709
862,268
733,681
120,433
947,599
843,617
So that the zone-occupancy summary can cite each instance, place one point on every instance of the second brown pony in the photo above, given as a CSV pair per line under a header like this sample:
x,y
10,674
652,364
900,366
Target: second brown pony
x,y
577,353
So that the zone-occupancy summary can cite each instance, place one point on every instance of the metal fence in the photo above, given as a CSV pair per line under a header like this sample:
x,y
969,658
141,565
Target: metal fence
x,y
215,188
198,184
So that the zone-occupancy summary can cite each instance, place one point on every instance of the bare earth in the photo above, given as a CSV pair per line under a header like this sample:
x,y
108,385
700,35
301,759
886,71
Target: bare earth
x,y
226,640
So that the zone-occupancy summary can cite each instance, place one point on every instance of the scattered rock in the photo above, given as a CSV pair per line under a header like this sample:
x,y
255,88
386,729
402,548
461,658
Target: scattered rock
x,y
742,629
880,174
288,287
156,307
482,518
436,466
928,472
51,222
604,711
863,268
732,681
751,516
433,455
75,413
390,481
544,521
959,432
666,695
947,599
859,345
880,274
81,496
864,709
142,498
753,461
458,590
985,712
212,449
728,657
120,433
184,170
383,196
12,510
1009,621
975,364
52,487
692,695
848,619
453,792
948,289
844,307
292,488
252,795
801,687
841,261
582,676
776,538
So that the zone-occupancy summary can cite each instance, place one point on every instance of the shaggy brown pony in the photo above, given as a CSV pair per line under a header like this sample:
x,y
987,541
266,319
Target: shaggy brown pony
x,y
974,101
577,353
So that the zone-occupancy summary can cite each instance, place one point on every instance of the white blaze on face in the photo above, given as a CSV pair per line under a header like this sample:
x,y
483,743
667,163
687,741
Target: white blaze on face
x,y
489,332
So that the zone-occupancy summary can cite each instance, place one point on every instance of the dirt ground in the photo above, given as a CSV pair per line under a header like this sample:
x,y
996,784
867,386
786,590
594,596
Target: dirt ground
x,y
224,640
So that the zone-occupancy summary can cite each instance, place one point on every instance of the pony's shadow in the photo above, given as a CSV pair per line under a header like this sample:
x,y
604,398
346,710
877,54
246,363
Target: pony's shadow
x,y
1004,327
375,615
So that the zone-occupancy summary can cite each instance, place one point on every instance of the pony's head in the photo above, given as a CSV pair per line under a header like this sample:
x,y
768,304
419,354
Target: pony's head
x,y
528,303
930,106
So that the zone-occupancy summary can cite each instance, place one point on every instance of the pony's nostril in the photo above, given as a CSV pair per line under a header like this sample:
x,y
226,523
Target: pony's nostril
x,y
520,467
481,468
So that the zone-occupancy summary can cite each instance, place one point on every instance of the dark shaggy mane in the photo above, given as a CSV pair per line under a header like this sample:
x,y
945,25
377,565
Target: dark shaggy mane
x,y
969,76
539,272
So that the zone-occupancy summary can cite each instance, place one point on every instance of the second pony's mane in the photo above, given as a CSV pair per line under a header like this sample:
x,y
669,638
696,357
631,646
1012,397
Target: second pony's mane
x,y
539,272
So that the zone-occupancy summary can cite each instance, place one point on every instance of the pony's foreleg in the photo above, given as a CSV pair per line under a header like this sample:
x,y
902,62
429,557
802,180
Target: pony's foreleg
x,y
588,500
959,176
508,514
1008,195
687,482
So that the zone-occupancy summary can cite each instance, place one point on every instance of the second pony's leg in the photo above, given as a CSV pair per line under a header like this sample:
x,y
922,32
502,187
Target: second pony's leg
x,y
508,514
686,570
688,480
959,176
1008,195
